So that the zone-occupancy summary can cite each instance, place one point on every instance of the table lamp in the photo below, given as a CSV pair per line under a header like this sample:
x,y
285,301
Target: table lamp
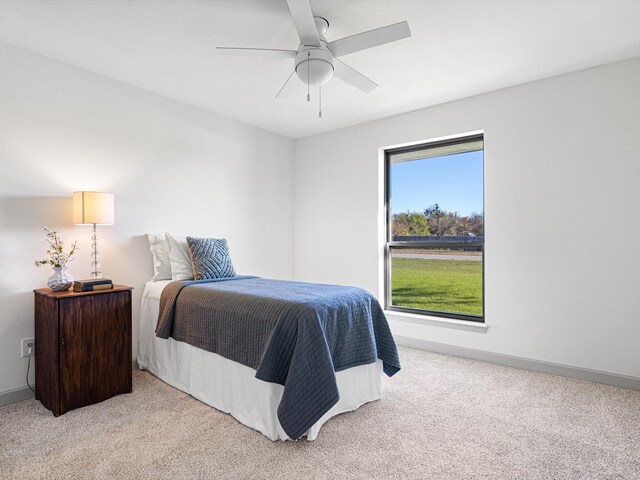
x,y
93,208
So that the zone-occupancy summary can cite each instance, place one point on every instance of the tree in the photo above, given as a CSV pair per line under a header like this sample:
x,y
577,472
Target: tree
x,y
476,224
441,222
400,225
408,224
435,221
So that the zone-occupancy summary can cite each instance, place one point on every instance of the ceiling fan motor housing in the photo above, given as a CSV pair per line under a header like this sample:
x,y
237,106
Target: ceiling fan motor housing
x,y
315,65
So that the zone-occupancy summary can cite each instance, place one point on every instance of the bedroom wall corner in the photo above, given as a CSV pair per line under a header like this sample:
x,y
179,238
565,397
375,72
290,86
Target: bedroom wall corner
x,y
561,196
172,167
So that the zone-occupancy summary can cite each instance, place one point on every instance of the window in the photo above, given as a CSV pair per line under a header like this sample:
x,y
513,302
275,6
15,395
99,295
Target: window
x,y
435,229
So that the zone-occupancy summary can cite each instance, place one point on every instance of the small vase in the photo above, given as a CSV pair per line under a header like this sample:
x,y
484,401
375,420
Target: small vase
x,y
60,280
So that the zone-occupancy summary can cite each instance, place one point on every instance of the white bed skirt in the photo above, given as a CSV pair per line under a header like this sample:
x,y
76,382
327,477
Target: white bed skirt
x,y
232,387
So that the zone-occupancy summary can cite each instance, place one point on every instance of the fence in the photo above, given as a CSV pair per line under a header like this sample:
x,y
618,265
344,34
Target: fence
x,y
440,239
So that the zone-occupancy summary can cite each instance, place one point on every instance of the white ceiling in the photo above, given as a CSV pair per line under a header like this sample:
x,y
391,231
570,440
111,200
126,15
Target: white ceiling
x,y
458,49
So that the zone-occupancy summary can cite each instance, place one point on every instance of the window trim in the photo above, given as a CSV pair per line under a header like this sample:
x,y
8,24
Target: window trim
x,y
389,243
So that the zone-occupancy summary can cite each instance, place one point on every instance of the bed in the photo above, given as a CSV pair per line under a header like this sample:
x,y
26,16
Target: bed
x,y
250,395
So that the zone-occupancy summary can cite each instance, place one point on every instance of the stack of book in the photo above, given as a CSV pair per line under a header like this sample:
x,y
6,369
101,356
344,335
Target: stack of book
x,y
92,285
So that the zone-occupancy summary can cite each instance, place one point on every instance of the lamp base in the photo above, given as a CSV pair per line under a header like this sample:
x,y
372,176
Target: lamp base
x,y
95,255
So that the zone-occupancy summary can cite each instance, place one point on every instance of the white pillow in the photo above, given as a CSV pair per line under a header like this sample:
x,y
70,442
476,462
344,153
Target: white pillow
x,y
160,253
179,257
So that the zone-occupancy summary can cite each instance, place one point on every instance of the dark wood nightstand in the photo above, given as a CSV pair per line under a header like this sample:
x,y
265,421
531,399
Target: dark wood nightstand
x,y
83,346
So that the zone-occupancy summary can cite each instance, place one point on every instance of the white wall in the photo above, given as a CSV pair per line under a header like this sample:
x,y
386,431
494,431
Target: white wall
x,y
562,192
562,162
171,167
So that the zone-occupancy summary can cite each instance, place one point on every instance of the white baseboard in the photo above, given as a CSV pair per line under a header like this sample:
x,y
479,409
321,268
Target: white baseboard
x,y
15,395
624,381
596,376
24,393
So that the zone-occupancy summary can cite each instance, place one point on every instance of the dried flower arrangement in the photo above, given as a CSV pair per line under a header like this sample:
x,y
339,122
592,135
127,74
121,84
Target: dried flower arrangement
x,y
57,257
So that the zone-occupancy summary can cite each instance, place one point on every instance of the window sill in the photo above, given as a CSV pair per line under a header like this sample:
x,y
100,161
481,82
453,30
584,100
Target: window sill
x,y
437,321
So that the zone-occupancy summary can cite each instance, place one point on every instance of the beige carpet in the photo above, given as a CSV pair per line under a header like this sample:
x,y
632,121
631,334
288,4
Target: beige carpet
x,y
441,417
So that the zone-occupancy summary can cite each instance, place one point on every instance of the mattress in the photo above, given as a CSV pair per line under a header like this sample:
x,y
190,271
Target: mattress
x,y
232,387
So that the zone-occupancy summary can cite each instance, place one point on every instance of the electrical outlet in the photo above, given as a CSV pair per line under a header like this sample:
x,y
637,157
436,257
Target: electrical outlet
x,y
28,347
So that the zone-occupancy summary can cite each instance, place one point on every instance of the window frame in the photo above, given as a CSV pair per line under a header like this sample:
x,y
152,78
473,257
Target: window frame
x,y
390,244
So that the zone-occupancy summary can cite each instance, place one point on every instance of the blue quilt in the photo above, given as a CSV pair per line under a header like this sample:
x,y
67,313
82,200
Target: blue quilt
x,y
292,333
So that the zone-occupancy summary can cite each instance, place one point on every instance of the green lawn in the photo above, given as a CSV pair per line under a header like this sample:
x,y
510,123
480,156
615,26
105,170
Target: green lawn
x,y
445,285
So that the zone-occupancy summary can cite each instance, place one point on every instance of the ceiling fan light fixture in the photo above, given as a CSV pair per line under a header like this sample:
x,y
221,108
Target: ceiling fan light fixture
x,y
314,66
314,71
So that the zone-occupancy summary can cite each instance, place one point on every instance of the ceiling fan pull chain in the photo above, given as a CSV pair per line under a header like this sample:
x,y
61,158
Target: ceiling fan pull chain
x,y
320,101
308,70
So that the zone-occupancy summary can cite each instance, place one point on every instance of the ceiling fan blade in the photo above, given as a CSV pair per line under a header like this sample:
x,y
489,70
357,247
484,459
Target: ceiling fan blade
x,y
289,86
353,77
304,22
260,52
372,38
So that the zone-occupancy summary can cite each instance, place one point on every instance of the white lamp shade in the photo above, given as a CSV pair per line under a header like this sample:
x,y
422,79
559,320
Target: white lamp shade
x,y
93,207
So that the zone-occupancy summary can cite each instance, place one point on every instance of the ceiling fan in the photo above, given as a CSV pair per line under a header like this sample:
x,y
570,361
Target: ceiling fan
x,y
315,60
